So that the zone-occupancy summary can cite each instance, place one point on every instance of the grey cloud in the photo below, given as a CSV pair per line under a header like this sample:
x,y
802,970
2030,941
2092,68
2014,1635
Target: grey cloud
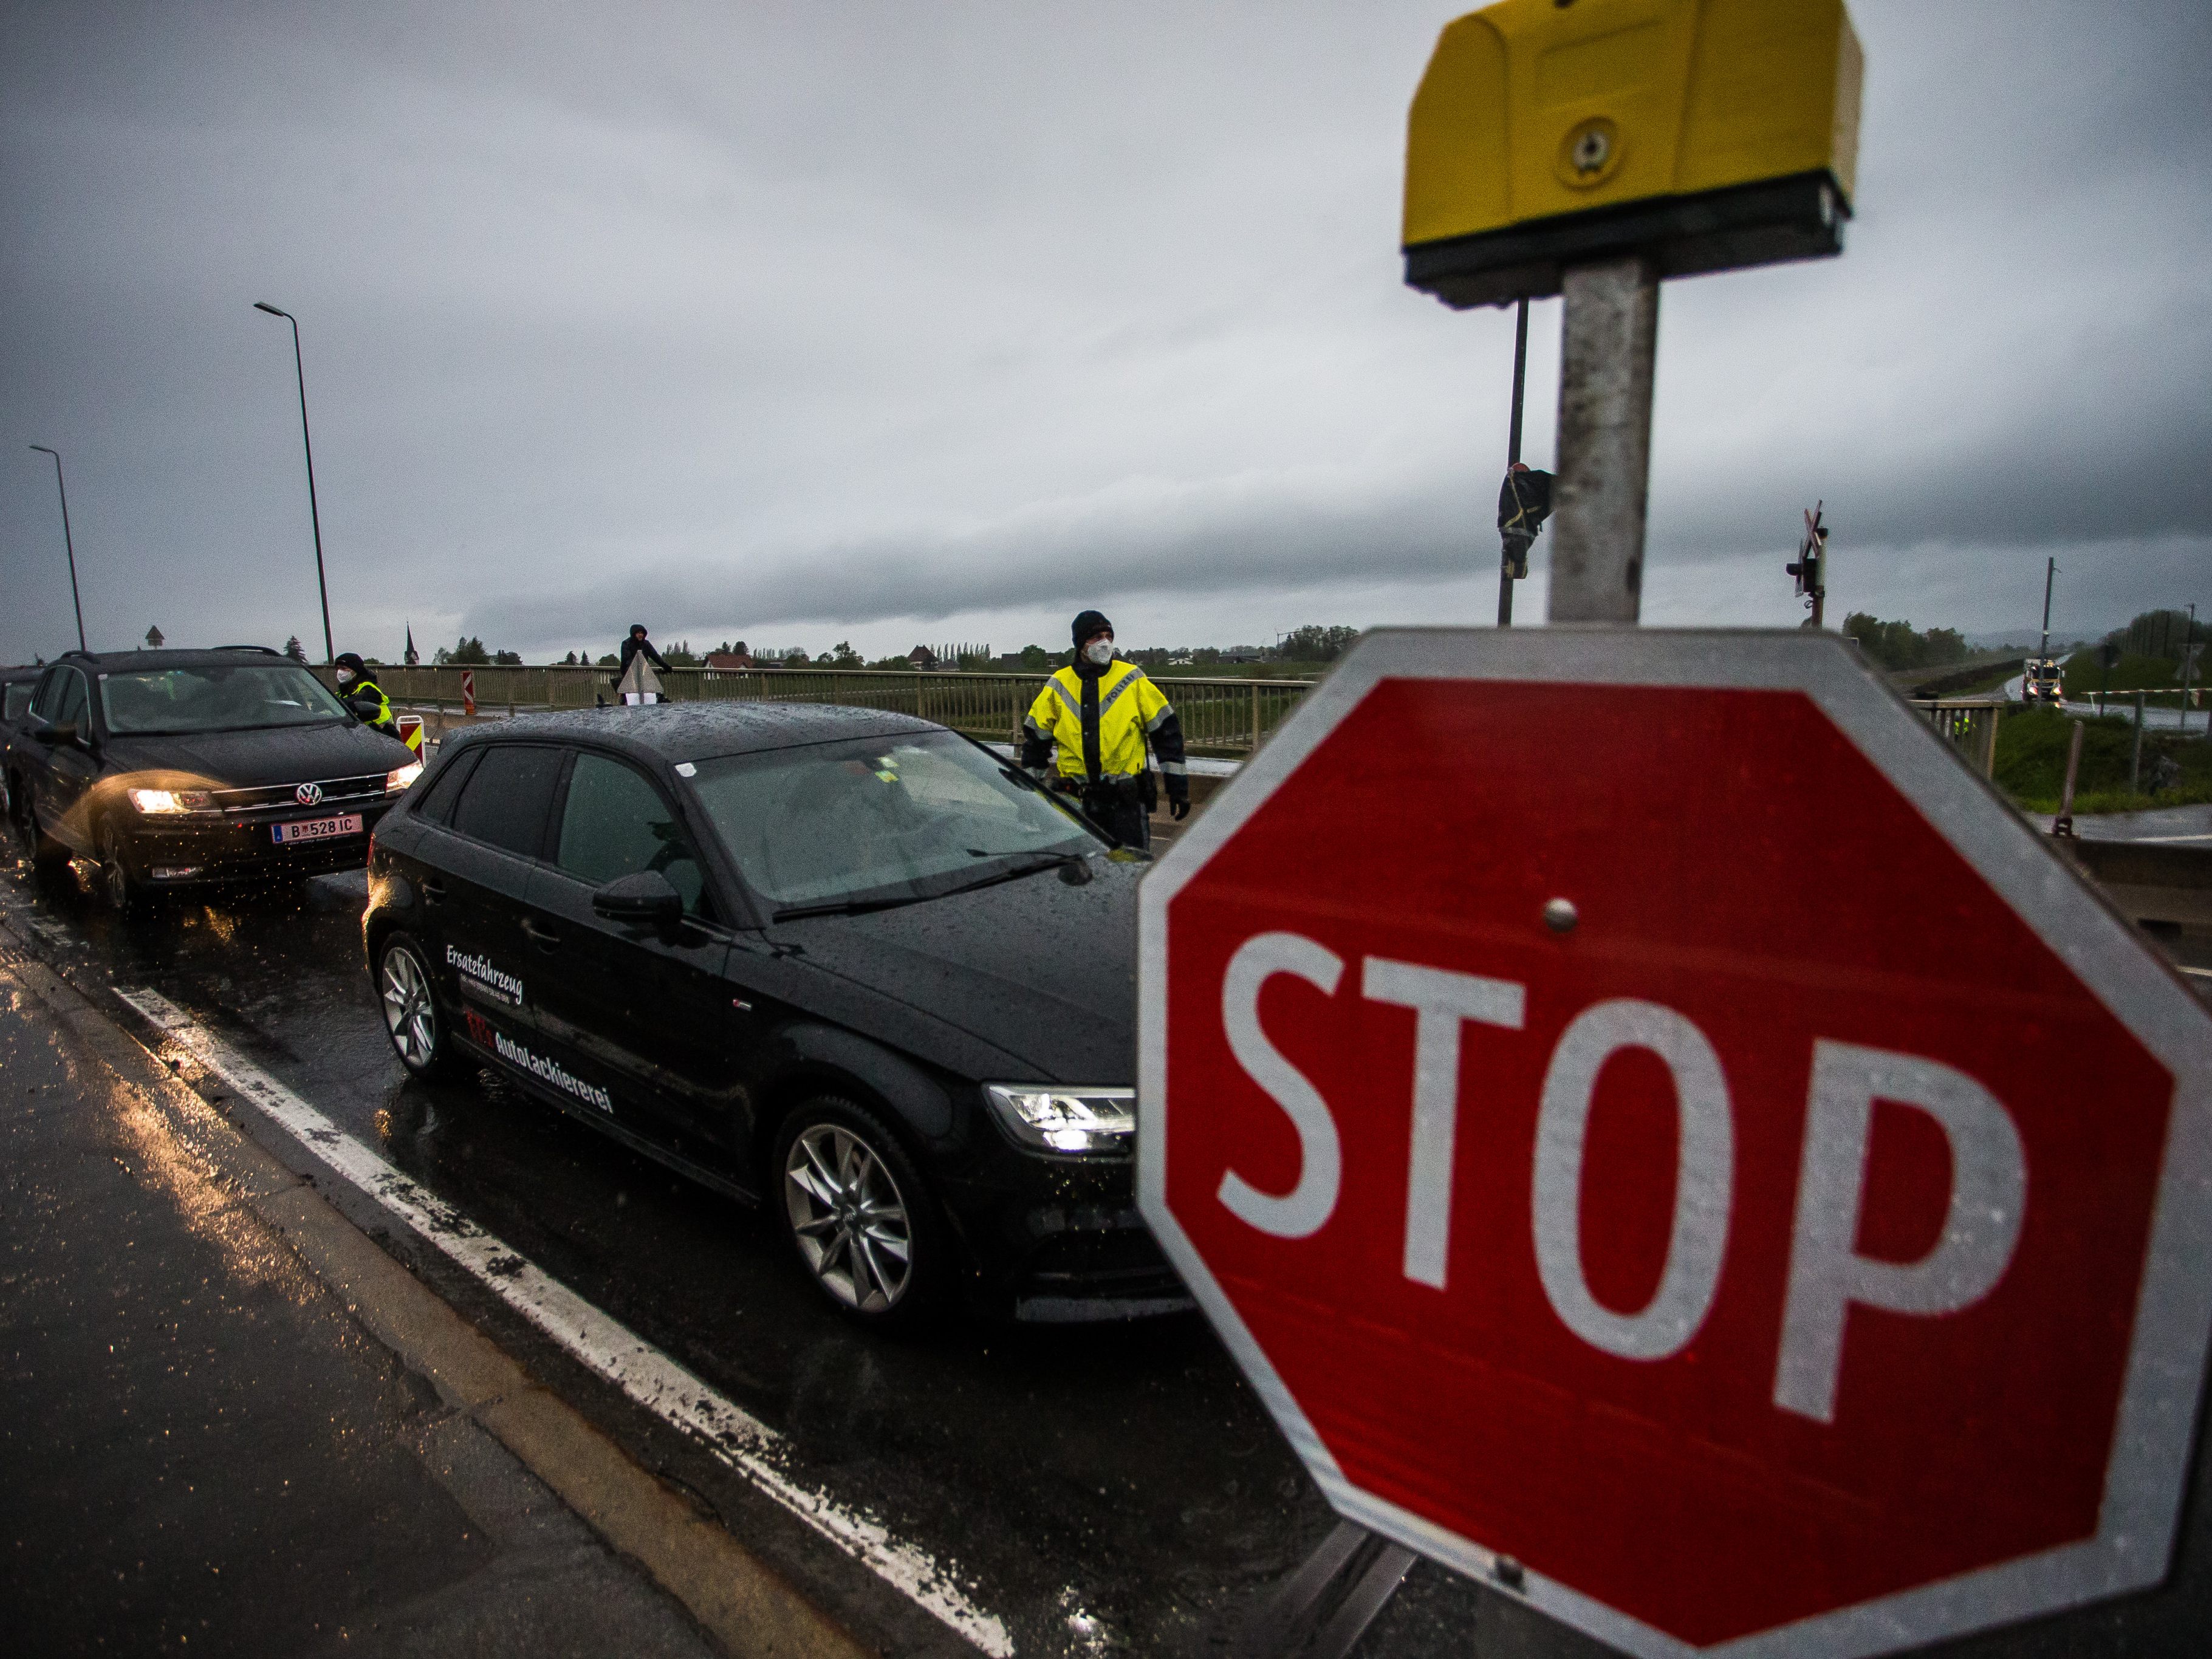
x,y
739,316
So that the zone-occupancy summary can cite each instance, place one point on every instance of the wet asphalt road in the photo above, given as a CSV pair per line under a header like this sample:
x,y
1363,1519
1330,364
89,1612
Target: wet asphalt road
x,y
1098,1488
203,1451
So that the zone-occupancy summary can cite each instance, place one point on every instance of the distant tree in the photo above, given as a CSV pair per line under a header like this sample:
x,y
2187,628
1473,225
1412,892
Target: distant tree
x,y
1036,658
1317,644
568,661
295,650
507,659
1900,646
467,652
609,660
2159,633
843,654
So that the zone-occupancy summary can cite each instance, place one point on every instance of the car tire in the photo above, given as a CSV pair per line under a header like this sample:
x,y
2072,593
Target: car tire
x,y
412,1018
860,1216
49,858
123,893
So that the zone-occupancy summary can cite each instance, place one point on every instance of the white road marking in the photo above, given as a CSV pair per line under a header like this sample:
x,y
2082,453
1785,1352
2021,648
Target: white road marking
x,y
604,1344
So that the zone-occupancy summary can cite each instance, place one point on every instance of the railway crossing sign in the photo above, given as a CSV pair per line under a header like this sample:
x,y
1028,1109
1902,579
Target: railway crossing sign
x,y
1662,1137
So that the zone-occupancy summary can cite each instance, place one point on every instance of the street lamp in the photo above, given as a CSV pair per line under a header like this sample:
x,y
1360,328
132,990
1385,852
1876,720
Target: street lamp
x,y
330,651
66,542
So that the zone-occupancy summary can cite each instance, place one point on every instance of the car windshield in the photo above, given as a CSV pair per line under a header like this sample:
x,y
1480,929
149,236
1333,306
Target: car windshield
x,y
879,818
214,697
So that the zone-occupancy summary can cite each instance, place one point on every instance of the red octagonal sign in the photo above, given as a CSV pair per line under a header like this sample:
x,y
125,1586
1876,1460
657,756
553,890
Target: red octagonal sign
x,y
1662,1136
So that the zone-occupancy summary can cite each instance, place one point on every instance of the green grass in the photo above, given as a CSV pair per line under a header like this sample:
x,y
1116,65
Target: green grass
x,y
2032,763
2085,675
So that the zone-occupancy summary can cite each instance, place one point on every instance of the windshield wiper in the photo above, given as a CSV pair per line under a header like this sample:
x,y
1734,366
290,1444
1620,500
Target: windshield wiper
x,y
860,907
1037,862
849,907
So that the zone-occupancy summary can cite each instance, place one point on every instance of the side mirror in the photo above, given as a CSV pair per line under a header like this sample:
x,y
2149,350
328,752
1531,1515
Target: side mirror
x,y
649,896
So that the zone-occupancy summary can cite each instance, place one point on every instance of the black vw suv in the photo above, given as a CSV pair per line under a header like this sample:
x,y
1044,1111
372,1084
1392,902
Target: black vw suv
x,y
174,768
844,963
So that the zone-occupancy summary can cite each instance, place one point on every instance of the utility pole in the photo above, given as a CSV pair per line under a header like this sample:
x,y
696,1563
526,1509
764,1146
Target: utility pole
x,y
1513,453
2049,573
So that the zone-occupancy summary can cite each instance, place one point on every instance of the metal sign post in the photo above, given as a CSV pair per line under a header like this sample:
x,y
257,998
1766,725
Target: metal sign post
x,y
1609,343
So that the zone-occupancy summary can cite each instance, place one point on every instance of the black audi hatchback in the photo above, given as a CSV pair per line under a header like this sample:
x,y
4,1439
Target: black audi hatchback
x,y
847,964
174,768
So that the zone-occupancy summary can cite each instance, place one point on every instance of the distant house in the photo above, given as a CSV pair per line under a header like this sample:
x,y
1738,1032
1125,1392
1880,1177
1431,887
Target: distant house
x,y
1240,653
921,657
729,662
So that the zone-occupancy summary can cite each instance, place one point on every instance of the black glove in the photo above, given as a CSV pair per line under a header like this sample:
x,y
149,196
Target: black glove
x,y
1178,809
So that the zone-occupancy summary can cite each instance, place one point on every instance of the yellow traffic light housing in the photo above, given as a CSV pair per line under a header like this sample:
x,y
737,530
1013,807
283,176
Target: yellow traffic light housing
x,y
1706,134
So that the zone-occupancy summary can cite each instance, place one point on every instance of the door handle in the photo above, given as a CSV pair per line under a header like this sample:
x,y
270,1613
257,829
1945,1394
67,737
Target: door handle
x,y
544,937
434,891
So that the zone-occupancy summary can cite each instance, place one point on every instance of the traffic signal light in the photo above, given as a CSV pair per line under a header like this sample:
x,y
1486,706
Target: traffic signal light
x,y
1811,568
1524,501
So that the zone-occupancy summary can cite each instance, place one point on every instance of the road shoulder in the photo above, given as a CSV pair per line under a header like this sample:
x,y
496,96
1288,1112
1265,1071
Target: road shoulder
x,y
496,1432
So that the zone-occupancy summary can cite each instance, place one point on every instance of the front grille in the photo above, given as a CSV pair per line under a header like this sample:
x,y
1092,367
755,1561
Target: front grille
x,y
338,794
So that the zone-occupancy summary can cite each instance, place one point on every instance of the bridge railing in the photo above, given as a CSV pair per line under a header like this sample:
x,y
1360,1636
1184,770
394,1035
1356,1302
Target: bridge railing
x,y
1970,723
1225,717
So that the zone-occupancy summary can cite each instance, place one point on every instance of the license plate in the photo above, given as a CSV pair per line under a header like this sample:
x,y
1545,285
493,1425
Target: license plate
x,y
319,829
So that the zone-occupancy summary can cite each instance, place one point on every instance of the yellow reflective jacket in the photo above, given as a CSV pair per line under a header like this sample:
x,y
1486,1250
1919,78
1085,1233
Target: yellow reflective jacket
x,y
1100,726
382,720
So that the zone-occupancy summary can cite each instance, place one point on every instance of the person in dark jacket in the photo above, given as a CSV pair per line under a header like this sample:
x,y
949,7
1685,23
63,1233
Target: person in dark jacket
x,y
1106,719
362,694
637,642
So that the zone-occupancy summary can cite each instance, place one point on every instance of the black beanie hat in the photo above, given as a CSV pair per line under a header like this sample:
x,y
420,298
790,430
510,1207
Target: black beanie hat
x,y
1090,622
352,659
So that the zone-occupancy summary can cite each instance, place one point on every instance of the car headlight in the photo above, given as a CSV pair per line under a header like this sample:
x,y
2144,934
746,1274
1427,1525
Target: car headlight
x,y
400,776
1068,1119
171,800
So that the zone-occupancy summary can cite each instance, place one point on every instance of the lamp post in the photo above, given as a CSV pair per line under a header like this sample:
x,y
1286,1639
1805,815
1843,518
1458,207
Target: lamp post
x,y
314,518
67,543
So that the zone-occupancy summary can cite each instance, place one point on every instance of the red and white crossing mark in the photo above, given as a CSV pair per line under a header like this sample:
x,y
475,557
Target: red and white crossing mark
x,y
1636,1105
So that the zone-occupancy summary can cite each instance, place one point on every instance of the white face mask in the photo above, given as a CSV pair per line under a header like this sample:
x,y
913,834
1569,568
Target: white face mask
x,y
345,676
1100,651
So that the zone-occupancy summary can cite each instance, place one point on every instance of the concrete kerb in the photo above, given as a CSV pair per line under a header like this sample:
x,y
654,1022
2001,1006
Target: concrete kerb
x,y
748,1607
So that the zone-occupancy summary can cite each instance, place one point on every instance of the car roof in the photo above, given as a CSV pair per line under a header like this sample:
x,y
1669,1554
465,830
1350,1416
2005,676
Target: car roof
x,y
109,662
700,730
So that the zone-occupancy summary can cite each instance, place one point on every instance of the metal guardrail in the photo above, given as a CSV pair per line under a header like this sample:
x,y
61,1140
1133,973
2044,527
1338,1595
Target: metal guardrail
x,y
1970,723
1223,717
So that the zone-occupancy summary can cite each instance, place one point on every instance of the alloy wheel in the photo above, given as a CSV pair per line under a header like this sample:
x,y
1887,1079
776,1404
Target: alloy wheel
x,y
407,1010
114,875
849,1217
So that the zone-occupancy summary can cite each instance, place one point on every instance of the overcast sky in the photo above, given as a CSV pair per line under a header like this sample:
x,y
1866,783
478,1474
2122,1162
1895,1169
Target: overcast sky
x,y
896,322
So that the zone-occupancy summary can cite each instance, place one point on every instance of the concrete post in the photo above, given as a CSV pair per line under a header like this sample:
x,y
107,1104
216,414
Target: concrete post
x,y
1609,343
2135,751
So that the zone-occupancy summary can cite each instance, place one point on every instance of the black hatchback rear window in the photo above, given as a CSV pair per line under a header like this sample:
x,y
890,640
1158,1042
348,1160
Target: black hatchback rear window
x,y
509,797
437,805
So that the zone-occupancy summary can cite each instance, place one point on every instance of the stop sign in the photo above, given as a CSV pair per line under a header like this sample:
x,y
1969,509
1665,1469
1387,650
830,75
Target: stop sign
x,y
1662,1136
